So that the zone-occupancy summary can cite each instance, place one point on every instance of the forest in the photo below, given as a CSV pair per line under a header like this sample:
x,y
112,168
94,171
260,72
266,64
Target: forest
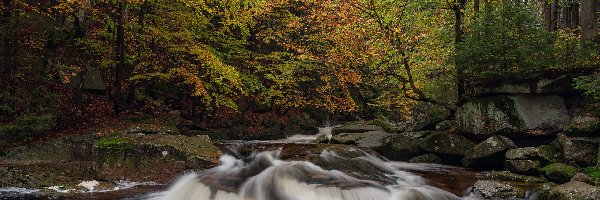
x,y
64,61
238,69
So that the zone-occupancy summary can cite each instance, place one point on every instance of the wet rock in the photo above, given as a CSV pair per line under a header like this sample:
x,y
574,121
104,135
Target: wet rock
x,y
322,139
360,127
447,143
579,150
489,153
400,147
530,153
364,139
446,125
523,166
559,172
302,124
487,189
574,190
513,114
427,158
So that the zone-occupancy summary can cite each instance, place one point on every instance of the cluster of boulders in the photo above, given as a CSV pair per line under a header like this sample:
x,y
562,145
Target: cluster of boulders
x,y
538,130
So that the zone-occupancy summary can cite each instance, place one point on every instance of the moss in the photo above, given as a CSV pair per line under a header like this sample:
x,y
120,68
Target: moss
x,y
114,143
27,127
560,172
593,172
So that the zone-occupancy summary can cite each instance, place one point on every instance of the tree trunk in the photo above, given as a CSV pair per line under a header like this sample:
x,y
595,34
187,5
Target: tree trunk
x,y
588,23
460,79
8,41
547,12
476,6
79,33
555,15
120,58
138,50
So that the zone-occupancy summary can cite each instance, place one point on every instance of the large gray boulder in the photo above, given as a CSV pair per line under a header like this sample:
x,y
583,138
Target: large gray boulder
x,y
542,153
489,153
400,147
447,143
582,151
513,114
574,190
365,139
529,167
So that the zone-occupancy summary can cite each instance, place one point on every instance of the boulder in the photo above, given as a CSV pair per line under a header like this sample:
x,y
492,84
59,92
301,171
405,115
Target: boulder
x,y
488,189
559,172
523,166
400,147
583,123
427,158
582,151
447,143
558,85
489,153
363,139
530,153
355,128
574,190
581,177
519,115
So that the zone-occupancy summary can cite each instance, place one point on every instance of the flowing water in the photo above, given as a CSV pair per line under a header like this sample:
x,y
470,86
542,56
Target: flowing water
x,y
295,169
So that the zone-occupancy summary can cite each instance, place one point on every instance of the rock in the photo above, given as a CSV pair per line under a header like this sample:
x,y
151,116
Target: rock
x,y
523,166
574,190
93,80
400,147
582,151
513,114
581,177
427,158
355,128
157,157
560,172
583,123
558,85
512,177
487,189
489,153
302,124
364,139
447,143
445,125
322,139
530,153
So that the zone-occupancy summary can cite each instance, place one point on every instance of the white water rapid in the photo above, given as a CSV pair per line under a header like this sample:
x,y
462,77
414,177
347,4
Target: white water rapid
x,y
328,176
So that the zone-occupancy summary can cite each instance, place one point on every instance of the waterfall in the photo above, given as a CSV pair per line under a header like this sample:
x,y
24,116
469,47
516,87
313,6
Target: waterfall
x,y
327,176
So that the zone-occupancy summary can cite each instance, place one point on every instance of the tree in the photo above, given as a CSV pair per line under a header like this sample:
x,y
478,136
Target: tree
x,y
589,19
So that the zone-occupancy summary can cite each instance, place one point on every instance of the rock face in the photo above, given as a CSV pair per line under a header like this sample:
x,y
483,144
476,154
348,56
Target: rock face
x,y
489,153
574,190
447,143
559,172
513,114
364,139
401,147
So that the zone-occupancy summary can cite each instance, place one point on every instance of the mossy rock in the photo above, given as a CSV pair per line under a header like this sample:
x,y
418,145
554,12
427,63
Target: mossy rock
x,y
489,153
560,172
509,176
529,167
447,143
400,147
574,190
